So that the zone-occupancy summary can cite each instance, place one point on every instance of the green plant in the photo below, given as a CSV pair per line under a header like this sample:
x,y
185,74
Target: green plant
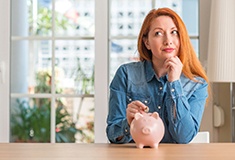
x,y
32,123
30,118
42,25
65,128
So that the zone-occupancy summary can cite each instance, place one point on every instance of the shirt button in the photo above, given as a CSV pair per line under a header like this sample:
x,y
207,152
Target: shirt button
x,y
160,88
159,107
145,101
126,130
172,90
130,99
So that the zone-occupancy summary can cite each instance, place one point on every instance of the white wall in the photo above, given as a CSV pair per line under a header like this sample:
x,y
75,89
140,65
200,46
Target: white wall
x,y
219,91
207,121
4,58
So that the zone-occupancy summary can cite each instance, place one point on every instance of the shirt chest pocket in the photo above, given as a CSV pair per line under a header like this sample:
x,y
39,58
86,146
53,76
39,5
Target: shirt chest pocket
x,y
144,99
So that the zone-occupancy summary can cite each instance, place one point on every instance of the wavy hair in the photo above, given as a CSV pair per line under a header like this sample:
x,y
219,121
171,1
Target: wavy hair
x,y
191,64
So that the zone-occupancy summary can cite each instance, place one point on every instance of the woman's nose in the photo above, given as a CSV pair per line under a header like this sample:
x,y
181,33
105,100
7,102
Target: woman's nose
x,y
167,40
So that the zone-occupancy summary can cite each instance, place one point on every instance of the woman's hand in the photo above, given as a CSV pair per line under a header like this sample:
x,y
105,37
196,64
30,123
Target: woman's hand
x,y
133,108
174,68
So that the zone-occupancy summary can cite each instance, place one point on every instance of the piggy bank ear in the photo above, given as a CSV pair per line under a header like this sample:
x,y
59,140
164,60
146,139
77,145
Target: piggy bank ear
x,y
138,115
155,115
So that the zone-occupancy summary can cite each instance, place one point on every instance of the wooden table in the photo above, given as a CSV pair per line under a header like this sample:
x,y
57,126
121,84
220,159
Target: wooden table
x,y
52,151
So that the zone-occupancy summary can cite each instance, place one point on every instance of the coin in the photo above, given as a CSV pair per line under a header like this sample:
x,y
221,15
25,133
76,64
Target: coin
x,y
146,109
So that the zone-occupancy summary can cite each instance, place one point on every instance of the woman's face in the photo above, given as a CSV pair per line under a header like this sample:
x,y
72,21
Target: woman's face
x,y
163,39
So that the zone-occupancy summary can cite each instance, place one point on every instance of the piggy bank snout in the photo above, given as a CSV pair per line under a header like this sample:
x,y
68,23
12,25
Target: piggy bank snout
x,y
146,130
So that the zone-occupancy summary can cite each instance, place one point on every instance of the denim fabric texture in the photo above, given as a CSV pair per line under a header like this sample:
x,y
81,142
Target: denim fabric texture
x,y
180,103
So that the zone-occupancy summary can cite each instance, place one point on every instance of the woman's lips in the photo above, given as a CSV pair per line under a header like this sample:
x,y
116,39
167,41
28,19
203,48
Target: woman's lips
x,y
168,50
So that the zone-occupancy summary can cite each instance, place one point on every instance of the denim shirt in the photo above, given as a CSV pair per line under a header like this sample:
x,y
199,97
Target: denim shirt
x,y
180,103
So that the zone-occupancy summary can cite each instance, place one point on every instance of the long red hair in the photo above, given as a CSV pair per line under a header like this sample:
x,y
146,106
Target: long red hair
x,y
191,64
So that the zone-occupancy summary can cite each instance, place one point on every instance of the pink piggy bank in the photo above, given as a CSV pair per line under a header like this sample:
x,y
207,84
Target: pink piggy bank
x,y
147,129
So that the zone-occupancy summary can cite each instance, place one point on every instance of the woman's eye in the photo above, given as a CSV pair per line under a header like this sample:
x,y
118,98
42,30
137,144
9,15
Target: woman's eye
x,y
175,32
158,34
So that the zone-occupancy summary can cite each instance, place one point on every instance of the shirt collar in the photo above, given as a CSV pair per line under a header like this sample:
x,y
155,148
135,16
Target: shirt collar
x,y
150,73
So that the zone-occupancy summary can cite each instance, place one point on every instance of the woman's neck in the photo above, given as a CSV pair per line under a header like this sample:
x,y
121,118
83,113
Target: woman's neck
x,y
159,69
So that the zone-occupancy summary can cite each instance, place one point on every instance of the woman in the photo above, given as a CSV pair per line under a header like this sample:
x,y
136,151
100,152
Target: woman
x,y
168,79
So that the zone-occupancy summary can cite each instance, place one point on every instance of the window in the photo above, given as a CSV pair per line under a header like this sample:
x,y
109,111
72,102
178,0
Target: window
x,y
52,71
60,49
